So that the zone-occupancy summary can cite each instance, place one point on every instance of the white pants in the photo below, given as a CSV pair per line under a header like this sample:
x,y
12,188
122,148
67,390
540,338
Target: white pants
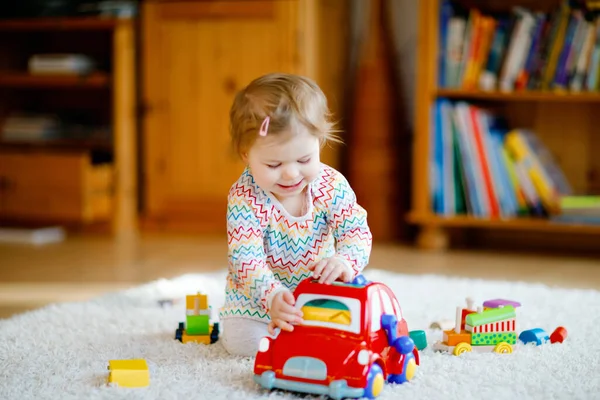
x,y
240,336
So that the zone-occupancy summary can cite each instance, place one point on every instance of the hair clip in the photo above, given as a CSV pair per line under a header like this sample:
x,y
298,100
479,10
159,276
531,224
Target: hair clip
x,y
264,127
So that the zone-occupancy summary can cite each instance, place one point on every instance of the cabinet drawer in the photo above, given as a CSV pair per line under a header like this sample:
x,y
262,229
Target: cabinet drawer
x,y
60,187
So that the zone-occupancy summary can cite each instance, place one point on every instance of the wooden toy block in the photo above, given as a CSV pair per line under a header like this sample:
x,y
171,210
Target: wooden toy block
x,y
196,302
420,339
497,303
493,338
129,373
197,314
464,314
559,335
201,339
197,325
451,338
536,335
443,325
491,316
197,328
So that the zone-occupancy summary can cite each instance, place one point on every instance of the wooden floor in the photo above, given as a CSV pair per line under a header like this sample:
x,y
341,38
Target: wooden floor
x,y
84,267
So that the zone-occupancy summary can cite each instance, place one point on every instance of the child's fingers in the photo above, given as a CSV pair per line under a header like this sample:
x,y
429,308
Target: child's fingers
x,y
271,328
318,269
327,272
289,317
288,297
283,325
286,308
333,275
347,274
336,273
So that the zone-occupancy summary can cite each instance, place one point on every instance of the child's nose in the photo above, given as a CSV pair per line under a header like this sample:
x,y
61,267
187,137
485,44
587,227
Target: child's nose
x,y
290,172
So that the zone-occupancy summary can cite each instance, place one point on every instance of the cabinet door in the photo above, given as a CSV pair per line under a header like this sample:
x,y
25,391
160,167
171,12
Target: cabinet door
x,y
196,55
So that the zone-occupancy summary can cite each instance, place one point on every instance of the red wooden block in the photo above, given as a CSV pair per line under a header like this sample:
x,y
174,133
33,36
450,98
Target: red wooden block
x,y
559,335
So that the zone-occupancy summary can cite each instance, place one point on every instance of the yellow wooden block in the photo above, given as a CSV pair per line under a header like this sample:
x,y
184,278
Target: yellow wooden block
x,y
196,302
202,339
129,373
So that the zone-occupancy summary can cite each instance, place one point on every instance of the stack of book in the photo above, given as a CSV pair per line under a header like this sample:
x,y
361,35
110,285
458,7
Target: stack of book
x,y
524,50
579,210
483,168
29,126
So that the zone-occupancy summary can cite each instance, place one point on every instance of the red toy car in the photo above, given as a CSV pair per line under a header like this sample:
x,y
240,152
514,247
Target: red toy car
x,y
353,339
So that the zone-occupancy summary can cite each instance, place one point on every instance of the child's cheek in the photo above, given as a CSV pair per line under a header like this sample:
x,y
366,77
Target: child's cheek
x,y
312,170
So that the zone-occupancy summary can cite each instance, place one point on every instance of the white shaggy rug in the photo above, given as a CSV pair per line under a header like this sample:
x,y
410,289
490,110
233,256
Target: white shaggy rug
x,y
62,351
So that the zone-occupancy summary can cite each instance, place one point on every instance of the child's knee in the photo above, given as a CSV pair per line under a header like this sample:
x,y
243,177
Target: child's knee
x,y
240,337
238,348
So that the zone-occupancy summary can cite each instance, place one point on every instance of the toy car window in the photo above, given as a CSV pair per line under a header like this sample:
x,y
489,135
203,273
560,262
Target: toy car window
x,y
327,310
387,303
375,311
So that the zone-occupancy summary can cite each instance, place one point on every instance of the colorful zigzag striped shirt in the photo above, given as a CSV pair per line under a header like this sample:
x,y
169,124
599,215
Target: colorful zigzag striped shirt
x,y
270,250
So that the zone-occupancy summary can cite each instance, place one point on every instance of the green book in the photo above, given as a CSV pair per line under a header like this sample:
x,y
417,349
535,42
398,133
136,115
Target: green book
x,y
570,202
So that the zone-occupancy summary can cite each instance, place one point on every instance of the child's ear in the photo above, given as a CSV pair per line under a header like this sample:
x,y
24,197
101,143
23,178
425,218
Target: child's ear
x,y
244,157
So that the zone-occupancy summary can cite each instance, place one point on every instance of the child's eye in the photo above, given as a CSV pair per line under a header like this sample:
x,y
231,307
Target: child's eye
x,y
304,161
273,165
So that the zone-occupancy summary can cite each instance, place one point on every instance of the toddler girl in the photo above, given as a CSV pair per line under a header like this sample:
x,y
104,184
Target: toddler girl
x,y
288,216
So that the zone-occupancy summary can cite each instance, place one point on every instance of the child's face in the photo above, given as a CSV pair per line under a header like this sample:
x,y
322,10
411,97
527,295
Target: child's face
x,y
284,164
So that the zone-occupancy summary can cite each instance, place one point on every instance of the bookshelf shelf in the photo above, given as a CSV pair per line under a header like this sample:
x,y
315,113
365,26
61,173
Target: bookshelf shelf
x,y
477,156
57,24
522,224
538,96
67,144
26,80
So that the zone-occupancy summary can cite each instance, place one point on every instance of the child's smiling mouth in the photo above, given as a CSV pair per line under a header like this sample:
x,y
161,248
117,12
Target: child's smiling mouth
x,y
291,187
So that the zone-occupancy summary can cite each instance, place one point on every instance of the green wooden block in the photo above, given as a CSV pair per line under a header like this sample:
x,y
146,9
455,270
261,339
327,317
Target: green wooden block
x,y
197,325
419,338
491,315
493,338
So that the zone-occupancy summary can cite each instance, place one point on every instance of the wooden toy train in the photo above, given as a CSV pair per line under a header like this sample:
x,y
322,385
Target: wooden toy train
x,y
492,327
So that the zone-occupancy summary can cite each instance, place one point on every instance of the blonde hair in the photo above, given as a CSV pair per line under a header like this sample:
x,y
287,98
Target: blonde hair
x,y
288,100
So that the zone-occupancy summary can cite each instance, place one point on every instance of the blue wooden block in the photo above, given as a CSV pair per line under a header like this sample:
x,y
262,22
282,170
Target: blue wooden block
x,y
536,335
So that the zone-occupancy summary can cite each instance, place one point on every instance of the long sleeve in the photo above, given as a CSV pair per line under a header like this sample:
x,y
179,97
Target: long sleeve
x,y
348,221
246,254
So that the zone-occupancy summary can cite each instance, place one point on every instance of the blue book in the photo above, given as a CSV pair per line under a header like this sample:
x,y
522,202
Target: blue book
x,y
446,12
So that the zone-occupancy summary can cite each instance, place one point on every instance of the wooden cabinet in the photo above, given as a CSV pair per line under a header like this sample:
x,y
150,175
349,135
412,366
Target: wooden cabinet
x,y
196,55
54,187
87,170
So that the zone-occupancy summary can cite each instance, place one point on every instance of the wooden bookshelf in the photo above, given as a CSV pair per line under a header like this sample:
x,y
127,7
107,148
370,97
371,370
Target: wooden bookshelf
x,y
26,80
522,224
566,97
104,99
58,24
565,122
67,144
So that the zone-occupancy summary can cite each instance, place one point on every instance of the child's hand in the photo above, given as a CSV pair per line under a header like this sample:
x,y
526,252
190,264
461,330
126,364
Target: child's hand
x,y
330,269
283,312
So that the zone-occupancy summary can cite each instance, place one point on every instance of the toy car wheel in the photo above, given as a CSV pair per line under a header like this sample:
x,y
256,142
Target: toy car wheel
x,y
214,335
462,348
503,348
375,382
410,368
179,332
